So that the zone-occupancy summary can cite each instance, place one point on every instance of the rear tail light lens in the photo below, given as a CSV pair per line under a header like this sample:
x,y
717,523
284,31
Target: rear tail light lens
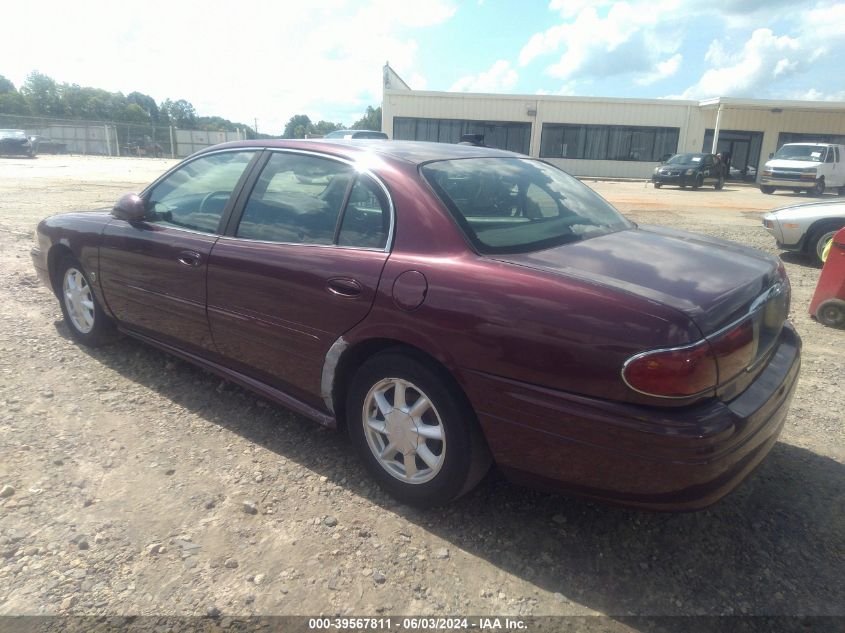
x,y
734,350
698,368
673,373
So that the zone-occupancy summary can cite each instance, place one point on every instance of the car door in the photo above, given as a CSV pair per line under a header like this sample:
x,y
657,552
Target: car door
x,y
299,265
153,271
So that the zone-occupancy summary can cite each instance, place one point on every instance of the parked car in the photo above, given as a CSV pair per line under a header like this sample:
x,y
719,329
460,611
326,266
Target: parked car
x,y
15,142
358,134
807,227
448,305
46,145
810,167
692,170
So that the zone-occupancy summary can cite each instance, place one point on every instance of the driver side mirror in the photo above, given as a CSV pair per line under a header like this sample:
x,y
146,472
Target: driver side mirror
x,y
130,207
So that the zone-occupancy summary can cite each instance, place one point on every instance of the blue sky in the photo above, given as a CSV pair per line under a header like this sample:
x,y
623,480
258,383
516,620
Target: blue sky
x,y
266,60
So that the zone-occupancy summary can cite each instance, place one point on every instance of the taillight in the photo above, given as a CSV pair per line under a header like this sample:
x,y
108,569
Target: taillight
x,y
694,370
673,373
734,350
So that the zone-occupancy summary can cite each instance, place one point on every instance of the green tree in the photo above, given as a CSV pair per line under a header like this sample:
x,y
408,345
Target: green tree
x,y
6,86
324,127
298,126
180,113
11,101
370,121
42,94
146,102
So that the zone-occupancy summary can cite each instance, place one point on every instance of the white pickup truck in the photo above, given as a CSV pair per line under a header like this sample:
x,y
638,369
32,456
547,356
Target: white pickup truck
x,y
810,167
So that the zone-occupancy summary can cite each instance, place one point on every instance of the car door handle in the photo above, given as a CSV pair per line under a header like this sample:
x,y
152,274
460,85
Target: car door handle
x,y
190,258
344,287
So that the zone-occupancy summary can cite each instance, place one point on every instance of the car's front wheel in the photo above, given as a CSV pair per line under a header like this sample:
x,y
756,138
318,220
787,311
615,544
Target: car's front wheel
x,y
818,241
416,435
818,190
658,185
84,316
767,189
698,182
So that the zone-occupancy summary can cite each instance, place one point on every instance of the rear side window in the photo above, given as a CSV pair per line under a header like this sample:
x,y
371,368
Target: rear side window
x,y
297,200
366,219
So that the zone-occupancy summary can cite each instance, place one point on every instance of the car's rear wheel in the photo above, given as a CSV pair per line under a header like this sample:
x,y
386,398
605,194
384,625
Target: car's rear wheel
x,y
767,189
832,313
85,318
416,435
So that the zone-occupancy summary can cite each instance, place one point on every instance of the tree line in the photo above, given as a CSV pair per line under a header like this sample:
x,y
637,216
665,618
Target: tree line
x,y
40,95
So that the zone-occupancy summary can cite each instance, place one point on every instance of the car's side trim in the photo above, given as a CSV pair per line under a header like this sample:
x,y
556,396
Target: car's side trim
x,y
261,388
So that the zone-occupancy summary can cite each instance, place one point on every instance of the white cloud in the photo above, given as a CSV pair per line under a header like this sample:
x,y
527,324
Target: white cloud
x,y
662,70
629,37
764,58
499,78
268,60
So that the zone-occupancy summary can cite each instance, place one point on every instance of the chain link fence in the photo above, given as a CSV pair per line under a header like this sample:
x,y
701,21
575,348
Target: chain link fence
x,y
113,138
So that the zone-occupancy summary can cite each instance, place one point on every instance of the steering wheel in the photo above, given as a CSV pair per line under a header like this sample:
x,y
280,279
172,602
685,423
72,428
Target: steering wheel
x,y
209,196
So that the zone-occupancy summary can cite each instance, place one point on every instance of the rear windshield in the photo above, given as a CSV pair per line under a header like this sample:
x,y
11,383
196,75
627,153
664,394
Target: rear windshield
x,y
814,153
514,205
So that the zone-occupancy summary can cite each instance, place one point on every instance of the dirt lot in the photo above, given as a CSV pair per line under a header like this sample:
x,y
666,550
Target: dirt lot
x,y
130,470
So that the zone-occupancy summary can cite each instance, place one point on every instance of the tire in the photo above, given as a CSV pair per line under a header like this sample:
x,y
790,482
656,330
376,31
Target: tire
x,y
85,319
456,457
719,184
767,189
818,190
841,191
818,239
831,313
698,182
658,185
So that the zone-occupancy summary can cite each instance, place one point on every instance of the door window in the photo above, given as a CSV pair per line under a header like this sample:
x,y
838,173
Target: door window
x,y
195,195
296,200
829,158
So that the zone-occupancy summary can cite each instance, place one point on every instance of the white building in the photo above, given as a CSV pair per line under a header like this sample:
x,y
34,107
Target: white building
x,y
610,137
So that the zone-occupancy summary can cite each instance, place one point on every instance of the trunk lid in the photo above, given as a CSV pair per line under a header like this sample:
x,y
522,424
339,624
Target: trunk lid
x,y
712,281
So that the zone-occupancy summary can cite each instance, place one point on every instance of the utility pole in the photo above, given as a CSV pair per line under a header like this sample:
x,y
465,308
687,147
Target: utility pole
x,y
256,126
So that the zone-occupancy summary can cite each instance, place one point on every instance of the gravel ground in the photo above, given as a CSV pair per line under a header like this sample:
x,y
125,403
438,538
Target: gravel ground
x,y
133,483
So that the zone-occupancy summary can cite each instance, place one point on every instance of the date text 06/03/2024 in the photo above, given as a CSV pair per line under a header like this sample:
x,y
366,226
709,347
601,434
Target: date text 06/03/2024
x,y
418,624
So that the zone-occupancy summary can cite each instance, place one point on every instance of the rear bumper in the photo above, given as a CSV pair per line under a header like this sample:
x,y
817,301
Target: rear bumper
x,y
657,458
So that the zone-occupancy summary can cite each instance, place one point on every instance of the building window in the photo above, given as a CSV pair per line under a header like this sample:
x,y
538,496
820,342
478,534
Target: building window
x,y
509,135
608,142
796,137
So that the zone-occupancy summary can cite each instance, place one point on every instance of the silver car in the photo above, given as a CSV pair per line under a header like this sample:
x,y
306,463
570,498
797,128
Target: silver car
x,y
806,227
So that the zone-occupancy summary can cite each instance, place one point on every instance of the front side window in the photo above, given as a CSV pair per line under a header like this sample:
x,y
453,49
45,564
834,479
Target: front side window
x,y
511,205
196,194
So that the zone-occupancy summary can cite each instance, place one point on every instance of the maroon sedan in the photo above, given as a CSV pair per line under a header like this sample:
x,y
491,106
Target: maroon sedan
x,y
450,306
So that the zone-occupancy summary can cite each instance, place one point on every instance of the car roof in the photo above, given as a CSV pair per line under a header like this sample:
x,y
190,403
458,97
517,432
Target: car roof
x,y
415,152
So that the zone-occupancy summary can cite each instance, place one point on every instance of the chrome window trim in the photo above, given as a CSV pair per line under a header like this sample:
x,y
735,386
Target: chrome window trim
x,y
758,304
